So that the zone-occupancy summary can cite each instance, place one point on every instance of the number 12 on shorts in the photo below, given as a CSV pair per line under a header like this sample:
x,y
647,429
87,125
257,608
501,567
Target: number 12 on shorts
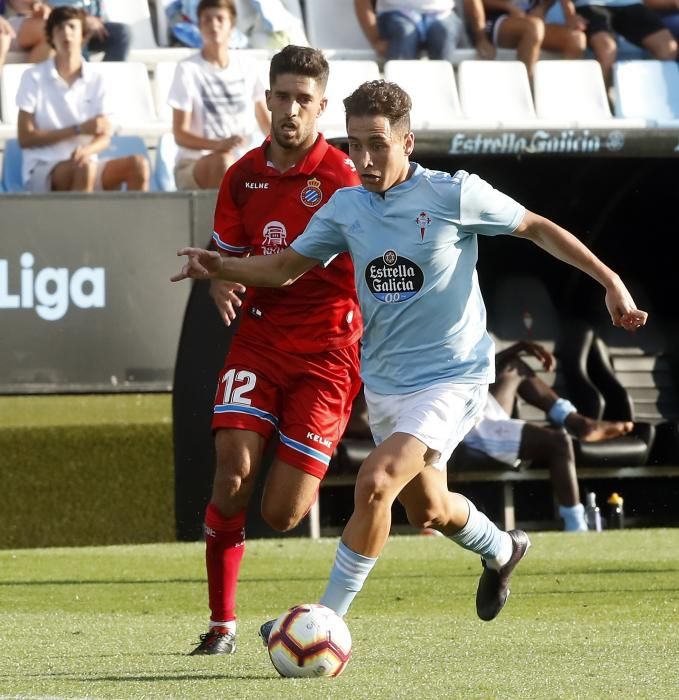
x,y
234,390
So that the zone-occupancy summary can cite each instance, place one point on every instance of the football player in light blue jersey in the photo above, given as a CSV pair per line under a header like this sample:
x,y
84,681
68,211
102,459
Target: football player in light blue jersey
x,y
427,359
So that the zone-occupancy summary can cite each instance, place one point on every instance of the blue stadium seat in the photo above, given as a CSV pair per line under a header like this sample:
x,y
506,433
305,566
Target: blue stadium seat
x,y
11,167
119,147
648,90
166,152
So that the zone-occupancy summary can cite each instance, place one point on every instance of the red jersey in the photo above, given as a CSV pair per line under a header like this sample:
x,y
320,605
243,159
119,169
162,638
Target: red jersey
x,y
260,211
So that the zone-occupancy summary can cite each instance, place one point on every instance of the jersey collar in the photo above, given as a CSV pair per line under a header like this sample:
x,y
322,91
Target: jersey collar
x,y
306,166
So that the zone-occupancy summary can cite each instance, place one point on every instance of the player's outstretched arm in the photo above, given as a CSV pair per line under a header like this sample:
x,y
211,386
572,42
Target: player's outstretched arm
x,y
565,246
258,271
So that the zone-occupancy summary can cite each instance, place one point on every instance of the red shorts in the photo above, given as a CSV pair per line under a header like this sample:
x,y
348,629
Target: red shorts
x,y
306,399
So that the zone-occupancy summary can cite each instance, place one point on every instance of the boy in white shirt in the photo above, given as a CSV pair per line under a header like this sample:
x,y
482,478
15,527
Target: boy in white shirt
x,y
63,119
217,102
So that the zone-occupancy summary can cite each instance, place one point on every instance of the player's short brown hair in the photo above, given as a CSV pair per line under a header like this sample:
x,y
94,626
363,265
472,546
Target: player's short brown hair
x,y
228,5
300,60
381,98
62,14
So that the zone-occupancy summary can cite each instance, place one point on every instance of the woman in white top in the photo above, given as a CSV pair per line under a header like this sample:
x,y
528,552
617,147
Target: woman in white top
x,y
63,119
217,101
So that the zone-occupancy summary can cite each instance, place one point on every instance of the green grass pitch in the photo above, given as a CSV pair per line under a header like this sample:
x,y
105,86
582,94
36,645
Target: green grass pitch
x,y
590,616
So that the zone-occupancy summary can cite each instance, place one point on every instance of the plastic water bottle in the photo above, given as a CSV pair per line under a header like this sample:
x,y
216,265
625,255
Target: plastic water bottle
x,y
592,513
616,515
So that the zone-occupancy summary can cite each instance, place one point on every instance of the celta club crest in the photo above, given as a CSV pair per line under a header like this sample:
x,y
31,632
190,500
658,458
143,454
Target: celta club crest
x,y
423,221
311,195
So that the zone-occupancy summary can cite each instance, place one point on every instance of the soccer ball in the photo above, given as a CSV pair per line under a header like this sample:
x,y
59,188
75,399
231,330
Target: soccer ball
x,y
308,641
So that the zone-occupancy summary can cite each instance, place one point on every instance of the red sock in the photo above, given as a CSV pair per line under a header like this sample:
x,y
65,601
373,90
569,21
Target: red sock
x,y
224,548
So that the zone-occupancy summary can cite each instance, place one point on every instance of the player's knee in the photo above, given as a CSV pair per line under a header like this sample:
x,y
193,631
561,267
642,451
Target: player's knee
x,y
373,488
280,519
231,481
425,516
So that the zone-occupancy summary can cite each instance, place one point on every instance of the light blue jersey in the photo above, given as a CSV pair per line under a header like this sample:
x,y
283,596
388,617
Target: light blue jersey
x,y
414,251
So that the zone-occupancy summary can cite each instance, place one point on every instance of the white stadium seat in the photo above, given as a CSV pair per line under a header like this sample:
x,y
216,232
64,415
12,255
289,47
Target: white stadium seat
x,y
332,24
137,15
132,98
647,90
163,75
432,89
571,91
345,77
496,93
9,85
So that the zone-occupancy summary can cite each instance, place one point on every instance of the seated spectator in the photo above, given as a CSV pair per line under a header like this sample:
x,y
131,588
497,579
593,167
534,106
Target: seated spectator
x,y
402,29
632,20
509,439
111,38
509,26
27,19
217,102
668,11
63,123
261,24
568,38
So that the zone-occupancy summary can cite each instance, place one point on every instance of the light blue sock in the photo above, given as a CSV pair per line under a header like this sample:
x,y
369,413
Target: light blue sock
x,y
573,518
560,410
483,537
348,574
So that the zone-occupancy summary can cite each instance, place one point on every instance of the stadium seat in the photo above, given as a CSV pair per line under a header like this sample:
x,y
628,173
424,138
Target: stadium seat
x,y
143,48
131,97
648,90
166,154
432,88
571,91
9,85
11,167
332,24
163,74
162,25
636,373
345,77
496,93
137,15
520,308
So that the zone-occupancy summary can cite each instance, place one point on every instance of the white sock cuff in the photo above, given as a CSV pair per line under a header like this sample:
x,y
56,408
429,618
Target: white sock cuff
x,y
227,624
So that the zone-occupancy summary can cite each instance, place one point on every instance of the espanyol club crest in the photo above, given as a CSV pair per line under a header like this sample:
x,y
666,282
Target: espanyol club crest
x,y
311,195
423,221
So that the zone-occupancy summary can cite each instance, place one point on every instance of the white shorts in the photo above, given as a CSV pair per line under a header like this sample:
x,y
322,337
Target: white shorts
x,y
497,434
439,416
40,178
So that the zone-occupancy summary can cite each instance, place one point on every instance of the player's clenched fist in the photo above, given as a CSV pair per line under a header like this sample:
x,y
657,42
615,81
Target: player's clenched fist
x,y
201,264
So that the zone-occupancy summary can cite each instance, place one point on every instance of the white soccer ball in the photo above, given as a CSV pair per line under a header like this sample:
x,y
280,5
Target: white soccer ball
x,y
309,640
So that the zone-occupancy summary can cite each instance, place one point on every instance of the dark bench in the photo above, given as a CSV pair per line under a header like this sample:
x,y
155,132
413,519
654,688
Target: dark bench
x,y
507,478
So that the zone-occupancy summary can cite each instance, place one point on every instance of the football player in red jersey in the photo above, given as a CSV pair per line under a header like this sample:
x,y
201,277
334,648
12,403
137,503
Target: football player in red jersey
x,y
292,369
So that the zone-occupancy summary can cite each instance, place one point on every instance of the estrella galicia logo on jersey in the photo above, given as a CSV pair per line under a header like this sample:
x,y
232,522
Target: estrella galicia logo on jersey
x,y
393,279
275,238
423,221
311,195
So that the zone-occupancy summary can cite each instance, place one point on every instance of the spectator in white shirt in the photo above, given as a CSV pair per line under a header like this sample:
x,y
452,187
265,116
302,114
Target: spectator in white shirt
x,y
217,101
63,119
